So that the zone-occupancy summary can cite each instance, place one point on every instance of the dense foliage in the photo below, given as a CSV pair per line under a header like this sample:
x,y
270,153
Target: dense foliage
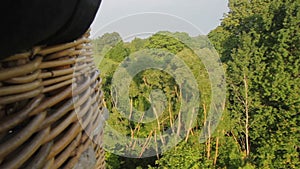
x,y
259,44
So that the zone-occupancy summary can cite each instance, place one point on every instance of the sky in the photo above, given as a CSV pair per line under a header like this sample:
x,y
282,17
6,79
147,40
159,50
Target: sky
x,y
132,18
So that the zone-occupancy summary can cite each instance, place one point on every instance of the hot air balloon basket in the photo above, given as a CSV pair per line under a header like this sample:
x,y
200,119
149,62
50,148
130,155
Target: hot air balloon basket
x,y
50,107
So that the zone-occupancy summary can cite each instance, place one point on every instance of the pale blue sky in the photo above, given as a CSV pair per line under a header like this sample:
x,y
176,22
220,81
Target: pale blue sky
x,y
203,14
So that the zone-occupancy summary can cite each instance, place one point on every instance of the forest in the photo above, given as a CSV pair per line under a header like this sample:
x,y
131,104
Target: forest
x,y
258,43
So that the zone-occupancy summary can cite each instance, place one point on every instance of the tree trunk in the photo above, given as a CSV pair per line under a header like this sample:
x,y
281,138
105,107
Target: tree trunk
x,y
131,108
247,117
208,141
217,151
171,117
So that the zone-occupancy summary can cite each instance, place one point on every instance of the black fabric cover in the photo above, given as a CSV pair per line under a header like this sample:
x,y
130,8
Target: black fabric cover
x,y
26,23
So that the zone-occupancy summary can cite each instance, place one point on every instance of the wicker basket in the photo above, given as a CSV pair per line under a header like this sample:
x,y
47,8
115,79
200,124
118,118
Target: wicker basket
x,y
50,98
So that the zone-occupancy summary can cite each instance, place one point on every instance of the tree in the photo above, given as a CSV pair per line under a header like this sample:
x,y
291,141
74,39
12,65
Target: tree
x,y
166,42
260,46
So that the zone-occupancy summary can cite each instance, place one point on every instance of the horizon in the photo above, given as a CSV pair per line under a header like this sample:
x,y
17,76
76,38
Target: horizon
x,y
129,39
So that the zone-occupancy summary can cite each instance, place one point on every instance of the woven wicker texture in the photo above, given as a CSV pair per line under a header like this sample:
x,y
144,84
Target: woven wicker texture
x,y
50,98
